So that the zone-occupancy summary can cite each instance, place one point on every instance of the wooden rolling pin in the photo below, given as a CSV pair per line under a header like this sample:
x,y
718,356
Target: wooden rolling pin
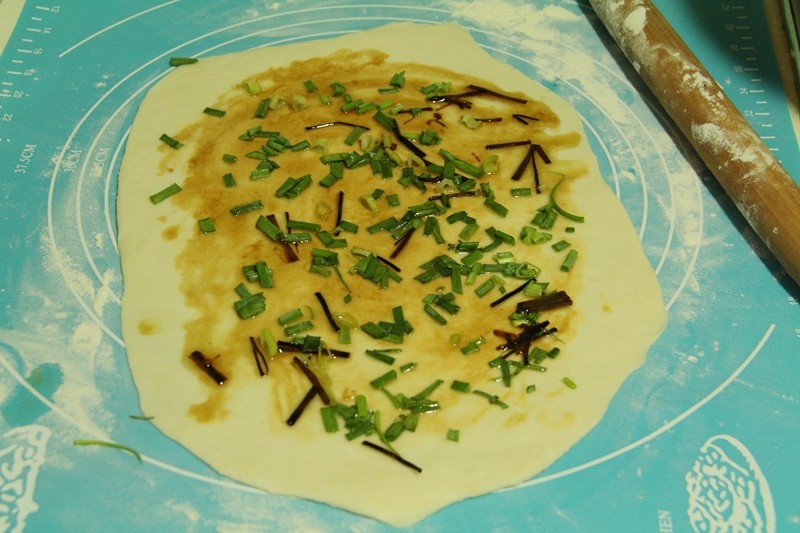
x,y
757,183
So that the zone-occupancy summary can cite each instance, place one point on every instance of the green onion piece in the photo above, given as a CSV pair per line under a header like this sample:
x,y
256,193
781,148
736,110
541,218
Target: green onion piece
x,y
461,164
468,231
206,225
269,342
521,191
252,86
322,210
472,346
470,121
165,193
338,88
299,102
303,226
453,434
495,206
268,228
493,398
262,109
310,86
214,112
229,158
495,233
460,386
558,208
250,305
381,356
295,238
369,202
354,135
560,245
169,141
398,79
276,102
382,380
329,421
505,372
349,227
490,164
484,288
530,388
531,235
246,208
569,383
92,442
408,367
292,187
472,258
178,61
345,335
228,180
290,316
433,313
569,261
296,329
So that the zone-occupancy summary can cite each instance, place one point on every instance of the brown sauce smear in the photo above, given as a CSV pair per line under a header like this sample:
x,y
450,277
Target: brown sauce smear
x,y
211,264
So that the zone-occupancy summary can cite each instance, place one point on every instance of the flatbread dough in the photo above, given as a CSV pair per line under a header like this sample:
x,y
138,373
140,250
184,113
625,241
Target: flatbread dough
x,y
179,282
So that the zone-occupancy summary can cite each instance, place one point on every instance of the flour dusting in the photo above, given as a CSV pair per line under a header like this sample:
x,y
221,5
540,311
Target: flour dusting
x,y
636,21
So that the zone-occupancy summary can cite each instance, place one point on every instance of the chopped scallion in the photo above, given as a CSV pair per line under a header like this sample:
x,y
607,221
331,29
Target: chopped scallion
x,y
165,193
206,225
179,61
214,112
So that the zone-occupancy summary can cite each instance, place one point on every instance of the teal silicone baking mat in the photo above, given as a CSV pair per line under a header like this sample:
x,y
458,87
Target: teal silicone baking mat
x,y
703,437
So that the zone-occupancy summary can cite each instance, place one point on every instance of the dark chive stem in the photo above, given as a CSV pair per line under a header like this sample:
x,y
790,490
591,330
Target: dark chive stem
x,y
298,411
552,300
204,364
541,152
524,118
288,251
313,379
464,194
535,167
537,149
388,263
393,455
290,347
493,119
334,123
484,90
523,165
408,143
339,210
521,344
457,99
511,293
507,144
401,244
261,359
505,335
528,159
409,111
327,311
